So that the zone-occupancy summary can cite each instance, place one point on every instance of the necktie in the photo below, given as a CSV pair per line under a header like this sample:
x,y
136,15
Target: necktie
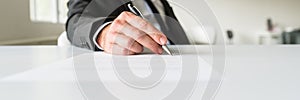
x,y
168,9
158,18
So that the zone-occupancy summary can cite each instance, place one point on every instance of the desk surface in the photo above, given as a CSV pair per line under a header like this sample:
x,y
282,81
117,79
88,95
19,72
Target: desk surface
x,y
252,73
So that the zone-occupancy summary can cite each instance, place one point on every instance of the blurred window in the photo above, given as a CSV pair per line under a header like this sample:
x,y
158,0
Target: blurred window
x,y
53,11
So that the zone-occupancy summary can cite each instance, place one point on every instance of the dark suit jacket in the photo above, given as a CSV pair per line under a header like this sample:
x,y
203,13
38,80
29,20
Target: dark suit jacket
x,y
86,16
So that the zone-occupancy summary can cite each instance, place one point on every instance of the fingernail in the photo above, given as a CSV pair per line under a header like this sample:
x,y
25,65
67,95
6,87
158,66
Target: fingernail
x,y
162,41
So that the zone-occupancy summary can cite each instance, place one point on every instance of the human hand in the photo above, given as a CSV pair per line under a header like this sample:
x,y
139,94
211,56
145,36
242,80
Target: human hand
x,y
128,34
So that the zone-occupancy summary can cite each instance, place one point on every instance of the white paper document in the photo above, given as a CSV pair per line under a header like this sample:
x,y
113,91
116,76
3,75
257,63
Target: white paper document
x,y
126,76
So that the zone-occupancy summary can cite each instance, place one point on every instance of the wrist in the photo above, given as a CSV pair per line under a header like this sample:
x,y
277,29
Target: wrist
x,y
102,36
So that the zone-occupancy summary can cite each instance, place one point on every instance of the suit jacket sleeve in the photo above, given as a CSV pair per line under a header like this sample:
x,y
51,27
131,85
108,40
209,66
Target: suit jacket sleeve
x,y
86,16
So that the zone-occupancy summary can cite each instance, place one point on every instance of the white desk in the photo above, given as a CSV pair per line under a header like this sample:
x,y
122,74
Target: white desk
x,y
252,73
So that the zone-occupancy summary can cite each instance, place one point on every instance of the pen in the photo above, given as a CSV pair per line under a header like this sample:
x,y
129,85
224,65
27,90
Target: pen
x,y
138,13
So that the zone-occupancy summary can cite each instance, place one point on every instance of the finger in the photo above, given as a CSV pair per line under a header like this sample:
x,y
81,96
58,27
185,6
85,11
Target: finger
x,y
116,37
145,26
118,50
128,43
141,37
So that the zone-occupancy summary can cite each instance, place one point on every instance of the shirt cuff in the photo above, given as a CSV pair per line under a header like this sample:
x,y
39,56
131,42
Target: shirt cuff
x,y
98,32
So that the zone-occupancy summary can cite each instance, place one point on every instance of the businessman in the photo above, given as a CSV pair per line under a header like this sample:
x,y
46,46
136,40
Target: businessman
x,y
110,26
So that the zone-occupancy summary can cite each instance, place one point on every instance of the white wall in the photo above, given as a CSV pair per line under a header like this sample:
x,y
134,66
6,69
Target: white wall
x,y
15,24
247,17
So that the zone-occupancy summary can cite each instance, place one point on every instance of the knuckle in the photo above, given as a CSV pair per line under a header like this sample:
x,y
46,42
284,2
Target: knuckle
x,y
138,33
118,22
125,14
143,24
153,45
142,37
118,25
113,34
129,43
134,47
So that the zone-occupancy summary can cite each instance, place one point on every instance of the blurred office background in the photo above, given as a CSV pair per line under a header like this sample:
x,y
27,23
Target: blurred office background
x,y
249,22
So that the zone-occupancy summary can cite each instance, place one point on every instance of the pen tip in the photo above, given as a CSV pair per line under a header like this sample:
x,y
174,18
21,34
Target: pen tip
x,y
167,50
